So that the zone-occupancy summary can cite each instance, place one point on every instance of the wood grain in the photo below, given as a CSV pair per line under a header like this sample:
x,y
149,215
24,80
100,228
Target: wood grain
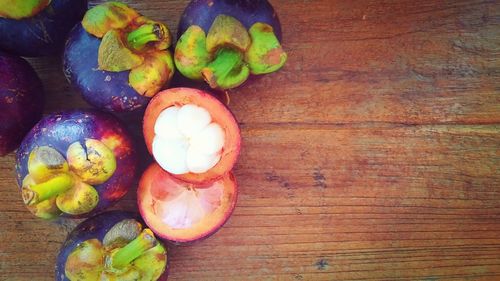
x,y
373,155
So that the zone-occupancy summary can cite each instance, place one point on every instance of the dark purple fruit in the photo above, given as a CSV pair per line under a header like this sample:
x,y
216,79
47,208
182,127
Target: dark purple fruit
x,y
21,101
223,42
117,58
38,28
112,246
75,164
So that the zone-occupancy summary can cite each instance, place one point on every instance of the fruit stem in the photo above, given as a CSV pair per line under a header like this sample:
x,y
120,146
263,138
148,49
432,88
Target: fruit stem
x,y
226,70
43,191
134,249
146,33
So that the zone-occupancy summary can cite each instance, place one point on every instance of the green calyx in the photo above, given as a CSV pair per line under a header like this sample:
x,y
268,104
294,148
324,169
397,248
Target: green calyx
x,y
16,9
226,56
126,253
56,185
131,42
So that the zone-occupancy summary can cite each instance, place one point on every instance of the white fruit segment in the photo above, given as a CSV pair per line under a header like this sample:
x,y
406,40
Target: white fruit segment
x,y
186,140
199,162
191,119
187,206
166,124
171,154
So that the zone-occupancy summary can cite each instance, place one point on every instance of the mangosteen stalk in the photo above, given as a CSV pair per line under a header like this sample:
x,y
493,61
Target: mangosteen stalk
x,y
146,33
227,70
134,249
46,190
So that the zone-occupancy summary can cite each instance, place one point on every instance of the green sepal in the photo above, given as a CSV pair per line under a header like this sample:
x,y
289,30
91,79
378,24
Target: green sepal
x,y
191,54
265,54
153,74
86,261
225,32
107,16
20,9
80,199
152,263
114,55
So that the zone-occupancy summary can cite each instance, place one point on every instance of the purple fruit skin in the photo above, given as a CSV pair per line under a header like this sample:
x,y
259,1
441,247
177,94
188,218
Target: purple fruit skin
x,y
21,100
44,33
109,91
60,130
248,12
95,227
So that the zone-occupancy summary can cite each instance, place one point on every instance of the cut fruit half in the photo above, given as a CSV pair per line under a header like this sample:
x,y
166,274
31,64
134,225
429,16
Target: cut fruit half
x,y
191,135
181,212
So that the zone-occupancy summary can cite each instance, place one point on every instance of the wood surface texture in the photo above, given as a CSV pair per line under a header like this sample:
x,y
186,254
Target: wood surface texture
x,y
373,155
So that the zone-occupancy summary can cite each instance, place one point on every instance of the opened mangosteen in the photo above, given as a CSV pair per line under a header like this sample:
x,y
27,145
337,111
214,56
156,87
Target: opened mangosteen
x,y
35,28
223,42
75,164
21,100
191,135
112,246
181,212
117,58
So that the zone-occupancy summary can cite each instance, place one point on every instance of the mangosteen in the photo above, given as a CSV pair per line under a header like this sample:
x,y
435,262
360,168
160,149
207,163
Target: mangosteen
x,y
182,212
191,135
117,58
223,42
75,163
112,246
37,27
21,100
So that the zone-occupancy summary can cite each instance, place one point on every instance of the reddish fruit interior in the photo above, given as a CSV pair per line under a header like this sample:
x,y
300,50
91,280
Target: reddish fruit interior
x,y
220,115
180,212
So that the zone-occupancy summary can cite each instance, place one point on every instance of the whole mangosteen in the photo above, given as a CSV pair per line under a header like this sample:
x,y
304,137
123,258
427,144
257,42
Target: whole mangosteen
x,y
117,58
75,163
224,41
112,246
21,100
36,28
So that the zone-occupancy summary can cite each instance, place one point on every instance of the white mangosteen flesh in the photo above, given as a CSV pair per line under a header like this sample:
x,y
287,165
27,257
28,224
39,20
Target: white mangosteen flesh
x,y
186,140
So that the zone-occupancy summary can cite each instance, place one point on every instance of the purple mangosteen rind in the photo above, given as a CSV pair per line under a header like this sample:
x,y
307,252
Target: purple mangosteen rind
x,y
43,30
21,100
96,228
117,58
78,129
223,42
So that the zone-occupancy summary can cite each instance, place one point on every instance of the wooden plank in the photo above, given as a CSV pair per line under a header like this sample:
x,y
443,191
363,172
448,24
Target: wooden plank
x,y
330,203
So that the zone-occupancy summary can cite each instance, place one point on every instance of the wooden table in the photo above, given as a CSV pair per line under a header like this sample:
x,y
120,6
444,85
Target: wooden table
x,y
373,155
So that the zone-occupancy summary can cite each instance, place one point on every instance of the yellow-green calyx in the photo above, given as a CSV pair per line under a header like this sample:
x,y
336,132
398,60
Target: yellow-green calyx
x,y
55,185
126,253
20,9
227,55
132,42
